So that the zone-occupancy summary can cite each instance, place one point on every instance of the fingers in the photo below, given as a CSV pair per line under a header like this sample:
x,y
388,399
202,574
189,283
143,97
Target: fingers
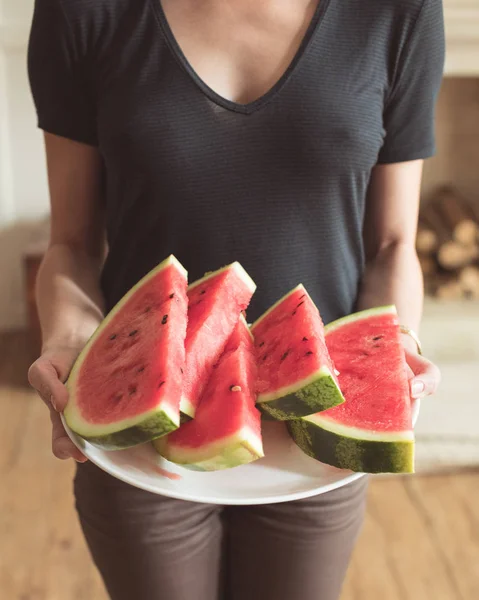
x,y
46,378
410,373
62,446
427,375
43,376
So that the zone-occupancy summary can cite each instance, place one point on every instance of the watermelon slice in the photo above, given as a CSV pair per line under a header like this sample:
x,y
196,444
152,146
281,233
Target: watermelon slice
x,y
215,304
125,387
372,431
226,431
296,375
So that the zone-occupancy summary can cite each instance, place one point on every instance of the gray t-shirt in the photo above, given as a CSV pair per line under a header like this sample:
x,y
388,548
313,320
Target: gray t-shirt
x,y
278,184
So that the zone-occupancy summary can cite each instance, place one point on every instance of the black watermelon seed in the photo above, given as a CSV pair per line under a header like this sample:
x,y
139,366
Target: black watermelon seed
x,y
134,332
285,355
113,337
305,339
378,337
294,312
308,353
164,319
300,304
261,345
303,296
265,357
203,292
172,296
181,371
140,370
132,390
160,384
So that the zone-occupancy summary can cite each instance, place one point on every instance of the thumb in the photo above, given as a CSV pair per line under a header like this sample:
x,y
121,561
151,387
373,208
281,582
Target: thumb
x,y
427,375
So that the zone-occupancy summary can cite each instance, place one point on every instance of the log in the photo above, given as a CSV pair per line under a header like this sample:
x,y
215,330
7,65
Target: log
x,y
428,265
450,290
432,218
433,285
467,232
452,255
469,281
427,241
457,216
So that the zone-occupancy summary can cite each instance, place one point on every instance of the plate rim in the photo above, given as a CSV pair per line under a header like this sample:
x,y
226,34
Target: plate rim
x,y
349,477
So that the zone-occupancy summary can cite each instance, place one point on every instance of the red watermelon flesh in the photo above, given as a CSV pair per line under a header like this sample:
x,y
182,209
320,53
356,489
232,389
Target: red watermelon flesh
x,y
215,304
372,431
226,431
373,377
125,387
296,374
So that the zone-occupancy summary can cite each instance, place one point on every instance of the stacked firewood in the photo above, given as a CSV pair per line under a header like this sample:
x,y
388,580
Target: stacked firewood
x,y
448,246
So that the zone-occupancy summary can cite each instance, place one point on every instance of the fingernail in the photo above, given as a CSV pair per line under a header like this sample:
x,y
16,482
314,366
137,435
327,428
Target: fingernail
x,y
52,402
417,389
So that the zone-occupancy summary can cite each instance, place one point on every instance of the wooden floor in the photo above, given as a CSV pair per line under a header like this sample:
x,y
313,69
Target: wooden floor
x,y
420,540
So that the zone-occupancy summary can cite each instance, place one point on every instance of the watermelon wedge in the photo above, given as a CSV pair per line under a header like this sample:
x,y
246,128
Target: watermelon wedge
x,y
215,304
372,431
296,376
125,387
226,431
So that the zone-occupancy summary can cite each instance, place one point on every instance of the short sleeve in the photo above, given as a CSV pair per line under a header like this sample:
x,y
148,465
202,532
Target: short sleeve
x,y
409,113
59,76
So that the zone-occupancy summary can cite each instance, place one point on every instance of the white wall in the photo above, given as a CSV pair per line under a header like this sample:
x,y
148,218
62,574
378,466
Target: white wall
x,y
23,186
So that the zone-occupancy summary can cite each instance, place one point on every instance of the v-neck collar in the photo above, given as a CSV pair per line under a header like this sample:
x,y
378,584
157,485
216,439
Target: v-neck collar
x,y
254,105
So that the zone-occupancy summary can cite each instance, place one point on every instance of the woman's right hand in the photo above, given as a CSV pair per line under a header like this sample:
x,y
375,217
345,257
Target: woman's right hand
x,y
47,376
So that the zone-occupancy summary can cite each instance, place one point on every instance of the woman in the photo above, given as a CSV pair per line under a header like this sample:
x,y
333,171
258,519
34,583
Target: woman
x,y
286,134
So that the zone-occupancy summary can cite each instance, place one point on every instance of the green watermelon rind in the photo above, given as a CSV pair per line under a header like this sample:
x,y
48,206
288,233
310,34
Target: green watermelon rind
x,y
238,449
120,434
314,394
186,406
343,449
156,425
187,410
352,448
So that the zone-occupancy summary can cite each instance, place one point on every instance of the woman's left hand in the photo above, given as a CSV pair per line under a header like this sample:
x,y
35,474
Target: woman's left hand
x,y
424,376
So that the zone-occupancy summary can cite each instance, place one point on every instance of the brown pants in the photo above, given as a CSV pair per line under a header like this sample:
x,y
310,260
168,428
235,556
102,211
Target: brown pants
x,y
149,547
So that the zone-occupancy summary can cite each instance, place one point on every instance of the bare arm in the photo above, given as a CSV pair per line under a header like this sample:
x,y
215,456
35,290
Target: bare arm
x,y
68,292
393,274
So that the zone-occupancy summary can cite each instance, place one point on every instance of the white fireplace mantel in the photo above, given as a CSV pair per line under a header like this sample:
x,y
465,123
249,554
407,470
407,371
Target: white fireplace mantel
x,y
462,37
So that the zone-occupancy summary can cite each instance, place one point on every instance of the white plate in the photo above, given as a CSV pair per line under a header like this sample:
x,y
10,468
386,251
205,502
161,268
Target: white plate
x,y
284,474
